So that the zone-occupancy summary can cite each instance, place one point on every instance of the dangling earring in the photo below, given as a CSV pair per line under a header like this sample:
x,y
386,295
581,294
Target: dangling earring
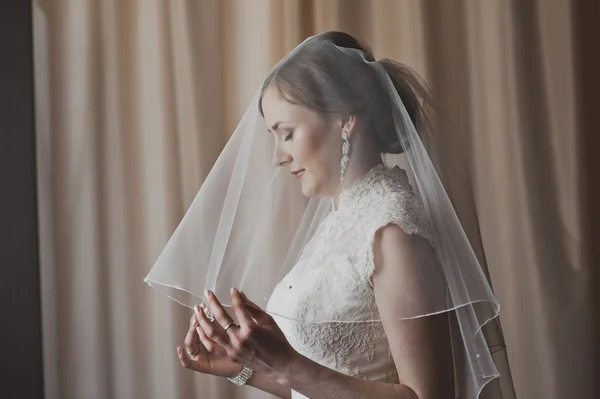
x,y
345,158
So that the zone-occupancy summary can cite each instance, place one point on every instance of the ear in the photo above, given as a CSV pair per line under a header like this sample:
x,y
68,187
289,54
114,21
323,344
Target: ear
x,y
348,124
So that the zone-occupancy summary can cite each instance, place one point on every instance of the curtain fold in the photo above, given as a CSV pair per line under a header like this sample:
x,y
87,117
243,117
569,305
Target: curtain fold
x,y
135,99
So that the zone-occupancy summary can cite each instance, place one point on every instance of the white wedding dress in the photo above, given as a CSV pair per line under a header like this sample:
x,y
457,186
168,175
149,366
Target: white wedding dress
x,y
332,279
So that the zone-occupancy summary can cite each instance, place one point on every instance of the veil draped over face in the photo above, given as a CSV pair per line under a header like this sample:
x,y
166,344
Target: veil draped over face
x,y
249,223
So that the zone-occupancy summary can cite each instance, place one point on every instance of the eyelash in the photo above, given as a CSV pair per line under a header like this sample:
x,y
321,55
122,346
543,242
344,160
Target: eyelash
x,y
288,137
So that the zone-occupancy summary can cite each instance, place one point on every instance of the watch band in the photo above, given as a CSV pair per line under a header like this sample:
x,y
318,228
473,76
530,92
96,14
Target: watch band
x,y
243,377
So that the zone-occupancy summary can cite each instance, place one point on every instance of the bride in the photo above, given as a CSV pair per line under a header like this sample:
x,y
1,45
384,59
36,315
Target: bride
x,y
353,277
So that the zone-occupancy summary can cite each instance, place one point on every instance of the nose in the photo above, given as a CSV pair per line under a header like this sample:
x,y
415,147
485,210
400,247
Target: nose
x,y
280,157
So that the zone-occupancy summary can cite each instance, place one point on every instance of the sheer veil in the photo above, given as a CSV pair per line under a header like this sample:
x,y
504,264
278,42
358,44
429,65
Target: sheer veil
x,y
249,222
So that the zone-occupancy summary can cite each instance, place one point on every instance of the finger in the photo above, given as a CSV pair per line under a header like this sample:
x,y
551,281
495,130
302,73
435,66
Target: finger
x,y
209,344
240,309
259,315
212,330
252,307
184,360
247,300
192,319
221,316
191,341
255,311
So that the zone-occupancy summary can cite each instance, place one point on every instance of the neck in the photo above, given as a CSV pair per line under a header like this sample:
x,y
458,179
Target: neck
x,y
360,163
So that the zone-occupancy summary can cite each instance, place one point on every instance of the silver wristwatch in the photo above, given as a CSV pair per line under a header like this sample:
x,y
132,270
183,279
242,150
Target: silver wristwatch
x,y
243,377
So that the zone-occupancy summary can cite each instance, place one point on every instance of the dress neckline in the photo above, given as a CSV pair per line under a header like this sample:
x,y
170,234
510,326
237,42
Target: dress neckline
x,y
360,186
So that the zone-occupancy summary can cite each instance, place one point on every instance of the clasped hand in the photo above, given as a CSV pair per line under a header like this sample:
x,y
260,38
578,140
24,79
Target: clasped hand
x,y
220,346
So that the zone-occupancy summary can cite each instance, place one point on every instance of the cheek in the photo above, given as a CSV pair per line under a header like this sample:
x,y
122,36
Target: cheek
x,y
314,151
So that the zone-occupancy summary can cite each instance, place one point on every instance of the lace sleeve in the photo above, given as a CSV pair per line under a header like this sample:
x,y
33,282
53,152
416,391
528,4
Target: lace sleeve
x,y
401,208
407,212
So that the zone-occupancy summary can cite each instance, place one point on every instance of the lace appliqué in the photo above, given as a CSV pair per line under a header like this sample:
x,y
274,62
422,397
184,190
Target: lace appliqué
x,y
336,344
389,197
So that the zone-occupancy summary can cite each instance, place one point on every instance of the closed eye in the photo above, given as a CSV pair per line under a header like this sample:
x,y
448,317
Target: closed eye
x,y
288,137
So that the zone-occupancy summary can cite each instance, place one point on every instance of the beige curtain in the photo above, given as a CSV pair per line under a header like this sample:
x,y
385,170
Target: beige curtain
x,y
135,99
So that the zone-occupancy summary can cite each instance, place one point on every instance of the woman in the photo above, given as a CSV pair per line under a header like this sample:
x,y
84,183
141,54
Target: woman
x,y
378,294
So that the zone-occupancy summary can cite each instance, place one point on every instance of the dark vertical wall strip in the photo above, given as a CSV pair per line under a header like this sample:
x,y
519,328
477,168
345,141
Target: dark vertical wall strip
x,y
587,35
21,372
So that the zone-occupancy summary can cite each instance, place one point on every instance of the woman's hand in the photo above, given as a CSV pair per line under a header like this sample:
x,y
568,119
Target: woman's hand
x,y
209,360
256,342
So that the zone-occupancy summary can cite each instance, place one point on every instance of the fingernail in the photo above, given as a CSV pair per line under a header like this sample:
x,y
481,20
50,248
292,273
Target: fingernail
x,y
206,293
198,331
196,308
231,290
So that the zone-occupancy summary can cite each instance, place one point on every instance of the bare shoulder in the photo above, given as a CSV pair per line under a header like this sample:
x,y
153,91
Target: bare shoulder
x,y
392,234
407,286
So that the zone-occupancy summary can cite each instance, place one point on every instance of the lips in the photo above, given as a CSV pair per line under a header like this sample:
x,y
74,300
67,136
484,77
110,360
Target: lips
x,y
298,173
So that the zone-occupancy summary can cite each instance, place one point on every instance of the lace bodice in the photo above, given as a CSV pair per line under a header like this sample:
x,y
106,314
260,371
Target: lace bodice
x,y
331,283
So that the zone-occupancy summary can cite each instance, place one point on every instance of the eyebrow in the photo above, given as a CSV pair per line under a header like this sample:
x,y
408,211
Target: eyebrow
x,y
276,125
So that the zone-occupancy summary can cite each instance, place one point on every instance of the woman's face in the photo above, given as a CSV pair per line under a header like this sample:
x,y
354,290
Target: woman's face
x,y
306,143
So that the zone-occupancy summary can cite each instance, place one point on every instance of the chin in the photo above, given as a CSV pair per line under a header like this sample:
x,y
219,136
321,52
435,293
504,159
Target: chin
x,y
309,190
